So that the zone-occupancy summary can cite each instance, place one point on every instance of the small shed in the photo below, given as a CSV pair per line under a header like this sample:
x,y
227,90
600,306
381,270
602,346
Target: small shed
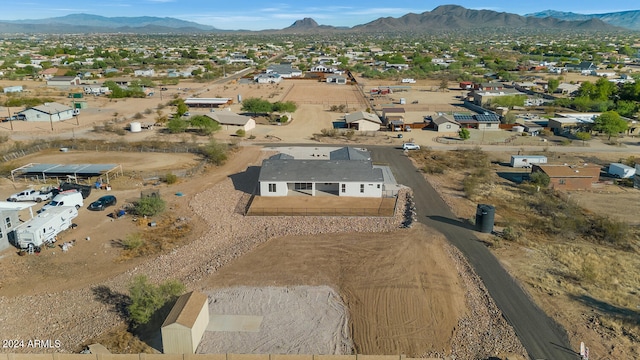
x,y
185,325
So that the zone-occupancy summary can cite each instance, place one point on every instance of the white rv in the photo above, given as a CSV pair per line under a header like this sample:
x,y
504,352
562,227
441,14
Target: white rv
x,y
44,227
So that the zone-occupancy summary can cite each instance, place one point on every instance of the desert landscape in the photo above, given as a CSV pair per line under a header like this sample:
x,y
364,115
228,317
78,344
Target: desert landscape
x,y
391,290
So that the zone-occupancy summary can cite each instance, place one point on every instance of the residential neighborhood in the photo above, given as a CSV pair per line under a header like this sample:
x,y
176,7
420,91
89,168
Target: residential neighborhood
x,y
482,184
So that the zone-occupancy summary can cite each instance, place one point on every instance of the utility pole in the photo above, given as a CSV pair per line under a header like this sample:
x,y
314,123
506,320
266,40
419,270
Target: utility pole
x,y
10,120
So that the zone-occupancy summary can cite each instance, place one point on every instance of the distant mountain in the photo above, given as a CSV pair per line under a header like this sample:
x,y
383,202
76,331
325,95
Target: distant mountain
x,y
625,19
447,17
452,17
82,23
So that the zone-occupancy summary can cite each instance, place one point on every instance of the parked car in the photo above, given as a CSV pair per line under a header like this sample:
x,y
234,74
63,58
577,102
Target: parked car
x,y
31,195
103,202
410,146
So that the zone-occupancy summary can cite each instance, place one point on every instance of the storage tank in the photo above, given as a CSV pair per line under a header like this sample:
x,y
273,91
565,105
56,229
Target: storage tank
x,y
485,215
135,127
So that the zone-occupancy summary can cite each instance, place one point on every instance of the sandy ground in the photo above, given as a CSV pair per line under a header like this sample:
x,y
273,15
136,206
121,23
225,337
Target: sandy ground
x,y
399,287
291,320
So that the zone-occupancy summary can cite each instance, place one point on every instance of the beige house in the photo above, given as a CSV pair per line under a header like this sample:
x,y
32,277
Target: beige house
x,y
185,325
363,121
232,121
446,124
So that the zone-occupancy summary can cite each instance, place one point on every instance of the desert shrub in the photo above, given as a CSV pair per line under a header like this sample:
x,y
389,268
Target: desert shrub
x,y
510,234
464,134
170,178
138,116
284,119
434,168
470,185
251,137
132,242
329,132
609,231
241,133
349,134
149,206
215,152
4,138
148,111
565,142
147,298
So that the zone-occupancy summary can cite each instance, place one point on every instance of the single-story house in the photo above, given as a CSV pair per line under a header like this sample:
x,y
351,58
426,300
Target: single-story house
x,y
48,112
343,172
336,79
584,67
446,124
395,115
284,70
566,122
185,325
272,78
144,72
488,121
232,121
483,97
355,178
64,81
363,121
569,177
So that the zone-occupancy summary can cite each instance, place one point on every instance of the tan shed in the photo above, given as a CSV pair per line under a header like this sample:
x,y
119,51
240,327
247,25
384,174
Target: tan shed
x,y
183,328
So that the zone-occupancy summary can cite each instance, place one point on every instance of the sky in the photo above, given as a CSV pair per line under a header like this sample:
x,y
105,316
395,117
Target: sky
x,y
261,14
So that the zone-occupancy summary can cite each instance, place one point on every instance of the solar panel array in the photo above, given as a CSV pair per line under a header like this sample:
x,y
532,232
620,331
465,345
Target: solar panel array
x,y
70,169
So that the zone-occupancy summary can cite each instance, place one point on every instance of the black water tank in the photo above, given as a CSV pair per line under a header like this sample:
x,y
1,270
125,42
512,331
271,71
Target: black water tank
x,y
484,218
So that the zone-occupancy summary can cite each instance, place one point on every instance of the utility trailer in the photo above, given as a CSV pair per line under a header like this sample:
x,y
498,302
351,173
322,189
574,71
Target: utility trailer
x,y
43,228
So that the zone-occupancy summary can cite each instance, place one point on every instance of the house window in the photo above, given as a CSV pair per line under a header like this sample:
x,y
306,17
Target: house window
x,y
448,126
562,181
7,222
344,188
272,188
361,188
488,125
378,186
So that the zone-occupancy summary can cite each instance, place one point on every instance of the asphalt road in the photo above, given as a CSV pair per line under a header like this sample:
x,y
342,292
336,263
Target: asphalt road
x,y
541,336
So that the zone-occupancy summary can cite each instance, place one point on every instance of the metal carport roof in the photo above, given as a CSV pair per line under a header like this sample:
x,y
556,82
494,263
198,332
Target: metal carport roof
x,y
58,170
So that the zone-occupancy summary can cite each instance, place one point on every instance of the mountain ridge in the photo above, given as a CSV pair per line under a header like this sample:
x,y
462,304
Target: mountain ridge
x,y
444,17
629,19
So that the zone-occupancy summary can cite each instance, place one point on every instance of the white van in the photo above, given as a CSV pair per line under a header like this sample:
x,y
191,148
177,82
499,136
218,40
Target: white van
x,y
66,198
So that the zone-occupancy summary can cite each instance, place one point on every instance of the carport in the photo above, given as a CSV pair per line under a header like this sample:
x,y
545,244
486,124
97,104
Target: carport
x,y
68,172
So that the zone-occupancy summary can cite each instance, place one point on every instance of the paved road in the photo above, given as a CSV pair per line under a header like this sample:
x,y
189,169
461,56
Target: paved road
x,y
541,336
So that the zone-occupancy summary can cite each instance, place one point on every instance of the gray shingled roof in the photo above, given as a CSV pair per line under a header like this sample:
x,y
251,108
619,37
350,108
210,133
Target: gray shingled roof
x,y
319,171
349,153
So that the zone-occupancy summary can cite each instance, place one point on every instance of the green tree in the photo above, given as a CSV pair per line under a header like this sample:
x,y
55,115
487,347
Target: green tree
x,y
181,107
464,133
540,179
149,206
583,135
256,106
287,106
147,298
552,85
177,125
205,124
610,123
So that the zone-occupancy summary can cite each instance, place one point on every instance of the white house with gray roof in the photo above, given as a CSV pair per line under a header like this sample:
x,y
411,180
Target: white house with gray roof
x,y
48,112
342,172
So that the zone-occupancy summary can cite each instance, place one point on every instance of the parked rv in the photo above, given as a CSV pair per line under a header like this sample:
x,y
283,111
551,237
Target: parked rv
x,y
621,171
43,228
526,161
71,198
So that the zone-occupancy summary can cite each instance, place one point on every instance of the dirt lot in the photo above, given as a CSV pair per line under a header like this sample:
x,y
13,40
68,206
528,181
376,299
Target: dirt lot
x,y
599,310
